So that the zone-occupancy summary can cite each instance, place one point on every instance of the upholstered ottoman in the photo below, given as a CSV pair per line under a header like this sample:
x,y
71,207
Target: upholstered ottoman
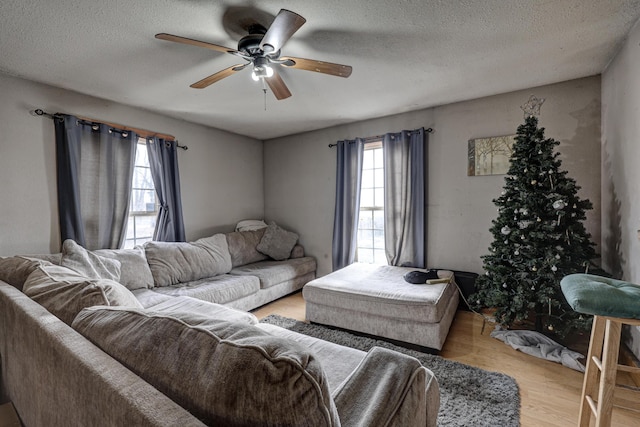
x,y
376,300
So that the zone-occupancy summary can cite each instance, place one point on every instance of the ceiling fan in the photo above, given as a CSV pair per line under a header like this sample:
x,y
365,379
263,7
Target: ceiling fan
x,y
261,49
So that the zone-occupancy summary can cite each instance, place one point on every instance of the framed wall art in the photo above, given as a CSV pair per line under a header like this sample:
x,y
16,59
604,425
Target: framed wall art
x,y
490,156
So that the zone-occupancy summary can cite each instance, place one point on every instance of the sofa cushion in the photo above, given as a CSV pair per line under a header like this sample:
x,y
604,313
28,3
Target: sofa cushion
x,y
134,269
277,242
15,270
219,289
179,262
179,305
64,292
224,373
242,247
87,263
271,273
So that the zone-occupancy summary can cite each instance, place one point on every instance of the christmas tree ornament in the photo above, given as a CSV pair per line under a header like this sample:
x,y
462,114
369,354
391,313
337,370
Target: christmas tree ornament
x,y
574,206
505,230
550,327
539,151
504,285
554,268
534,182
516,252
558,204
539,219
534,268
522,237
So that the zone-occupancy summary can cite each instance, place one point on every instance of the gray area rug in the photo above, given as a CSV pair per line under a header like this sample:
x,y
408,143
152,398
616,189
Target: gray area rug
x,y
469,396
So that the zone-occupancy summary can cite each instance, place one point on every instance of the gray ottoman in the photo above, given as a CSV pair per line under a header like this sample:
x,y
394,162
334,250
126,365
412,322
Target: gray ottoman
x,y
376,300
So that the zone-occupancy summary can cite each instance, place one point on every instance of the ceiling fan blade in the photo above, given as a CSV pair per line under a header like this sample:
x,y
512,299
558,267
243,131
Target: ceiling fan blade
x,y
184,40
282,28
277,86
317,66
207,81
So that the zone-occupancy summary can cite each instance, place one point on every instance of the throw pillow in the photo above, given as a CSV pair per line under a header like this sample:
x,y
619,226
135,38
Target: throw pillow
x,y
277,242
65,292
250,225
224,373
242,247
87,263
179,262
134,270
15,270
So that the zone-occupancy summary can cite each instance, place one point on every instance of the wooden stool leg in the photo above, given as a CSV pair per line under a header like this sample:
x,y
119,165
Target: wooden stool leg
x,y
590,383
609,371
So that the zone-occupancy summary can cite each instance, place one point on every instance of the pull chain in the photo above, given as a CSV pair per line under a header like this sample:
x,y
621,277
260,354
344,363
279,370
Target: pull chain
x,y
264,89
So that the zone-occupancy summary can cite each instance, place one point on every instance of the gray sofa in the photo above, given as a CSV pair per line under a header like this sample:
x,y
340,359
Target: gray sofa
x,y
79,348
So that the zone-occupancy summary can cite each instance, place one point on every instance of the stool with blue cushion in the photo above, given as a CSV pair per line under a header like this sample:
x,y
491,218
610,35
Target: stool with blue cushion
x,y
613,303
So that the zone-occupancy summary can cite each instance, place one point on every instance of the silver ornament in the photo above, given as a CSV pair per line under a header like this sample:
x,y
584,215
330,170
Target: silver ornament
x,y
522,237
505,230
534,182
517,252
534,268
558,204
504,285
539,151
539,219
554,268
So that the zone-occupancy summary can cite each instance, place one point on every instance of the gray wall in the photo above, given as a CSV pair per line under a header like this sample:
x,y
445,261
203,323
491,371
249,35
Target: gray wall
x,y
221,173
620,171
300,169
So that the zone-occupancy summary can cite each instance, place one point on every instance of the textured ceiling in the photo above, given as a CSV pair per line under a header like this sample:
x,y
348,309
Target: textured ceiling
x,y
406,54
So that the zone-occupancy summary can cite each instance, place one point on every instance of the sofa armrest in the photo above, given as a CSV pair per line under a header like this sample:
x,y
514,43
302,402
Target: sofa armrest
x,y
388,388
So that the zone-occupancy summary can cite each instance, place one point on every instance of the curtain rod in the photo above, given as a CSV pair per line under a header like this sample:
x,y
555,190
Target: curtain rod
x,y
374,138
142,132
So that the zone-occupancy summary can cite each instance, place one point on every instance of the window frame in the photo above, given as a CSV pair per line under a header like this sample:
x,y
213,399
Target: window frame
x,y
132,215
372,145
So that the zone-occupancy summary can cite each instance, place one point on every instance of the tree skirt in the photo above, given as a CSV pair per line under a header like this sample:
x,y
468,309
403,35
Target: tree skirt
x,y
469,396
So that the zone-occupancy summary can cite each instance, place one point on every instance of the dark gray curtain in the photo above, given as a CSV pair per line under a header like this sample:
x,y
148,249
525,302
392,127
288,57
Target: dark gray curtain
x,y
94,172
404,197
163,160
347,208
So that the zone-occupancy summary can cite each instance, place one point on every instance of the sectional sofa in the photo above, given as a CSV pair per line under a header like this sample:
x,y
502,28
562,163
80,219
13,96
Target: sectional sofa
x,y
155,336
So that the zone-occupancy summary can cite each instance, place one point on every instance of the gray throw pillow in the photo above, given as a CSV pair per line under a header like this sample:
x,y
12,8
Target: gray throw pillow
x,y
224,373
134,269
277,242
180,262
242,247
15,270
87,263
65,292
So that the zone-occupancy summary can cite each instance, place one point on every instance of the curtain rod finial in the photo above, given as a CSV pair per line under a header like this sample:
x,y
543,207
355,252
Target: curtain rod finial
x,y
36,112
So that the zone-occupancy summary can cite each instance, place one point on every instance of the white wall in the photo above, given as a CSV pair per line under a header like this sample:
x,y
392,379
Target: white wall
x,y
221,173
300,169
620,171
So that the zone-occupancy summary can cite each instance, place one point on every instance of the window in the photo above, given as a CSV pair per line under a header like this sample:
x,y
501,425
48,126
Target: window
x,y
143,208
371,219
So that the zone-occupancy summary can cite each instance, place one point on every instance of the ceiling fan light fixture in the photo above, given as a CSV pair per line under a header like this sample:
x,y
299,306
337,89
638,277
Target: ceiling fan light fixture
x,y
261,71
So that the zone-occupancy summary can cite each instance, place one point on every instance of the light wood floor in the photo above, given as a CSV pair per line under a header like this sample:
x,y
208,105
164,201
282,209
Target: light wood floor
x,y
549,392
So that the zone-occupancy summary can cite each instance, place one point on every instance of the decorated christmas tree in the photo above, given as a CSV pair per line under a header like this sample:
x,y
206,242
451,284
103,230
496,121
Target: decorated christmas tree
x,y
539,237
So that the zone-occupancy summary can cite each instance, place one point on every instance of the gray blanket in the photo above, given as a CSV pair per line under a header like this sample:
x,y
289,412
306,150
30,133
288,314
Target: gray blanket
x,y
539,345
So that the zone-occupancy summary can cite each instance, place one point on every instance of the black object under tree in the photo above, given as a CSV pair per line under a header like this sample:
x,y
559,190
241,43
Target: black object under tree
x,y
539,237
